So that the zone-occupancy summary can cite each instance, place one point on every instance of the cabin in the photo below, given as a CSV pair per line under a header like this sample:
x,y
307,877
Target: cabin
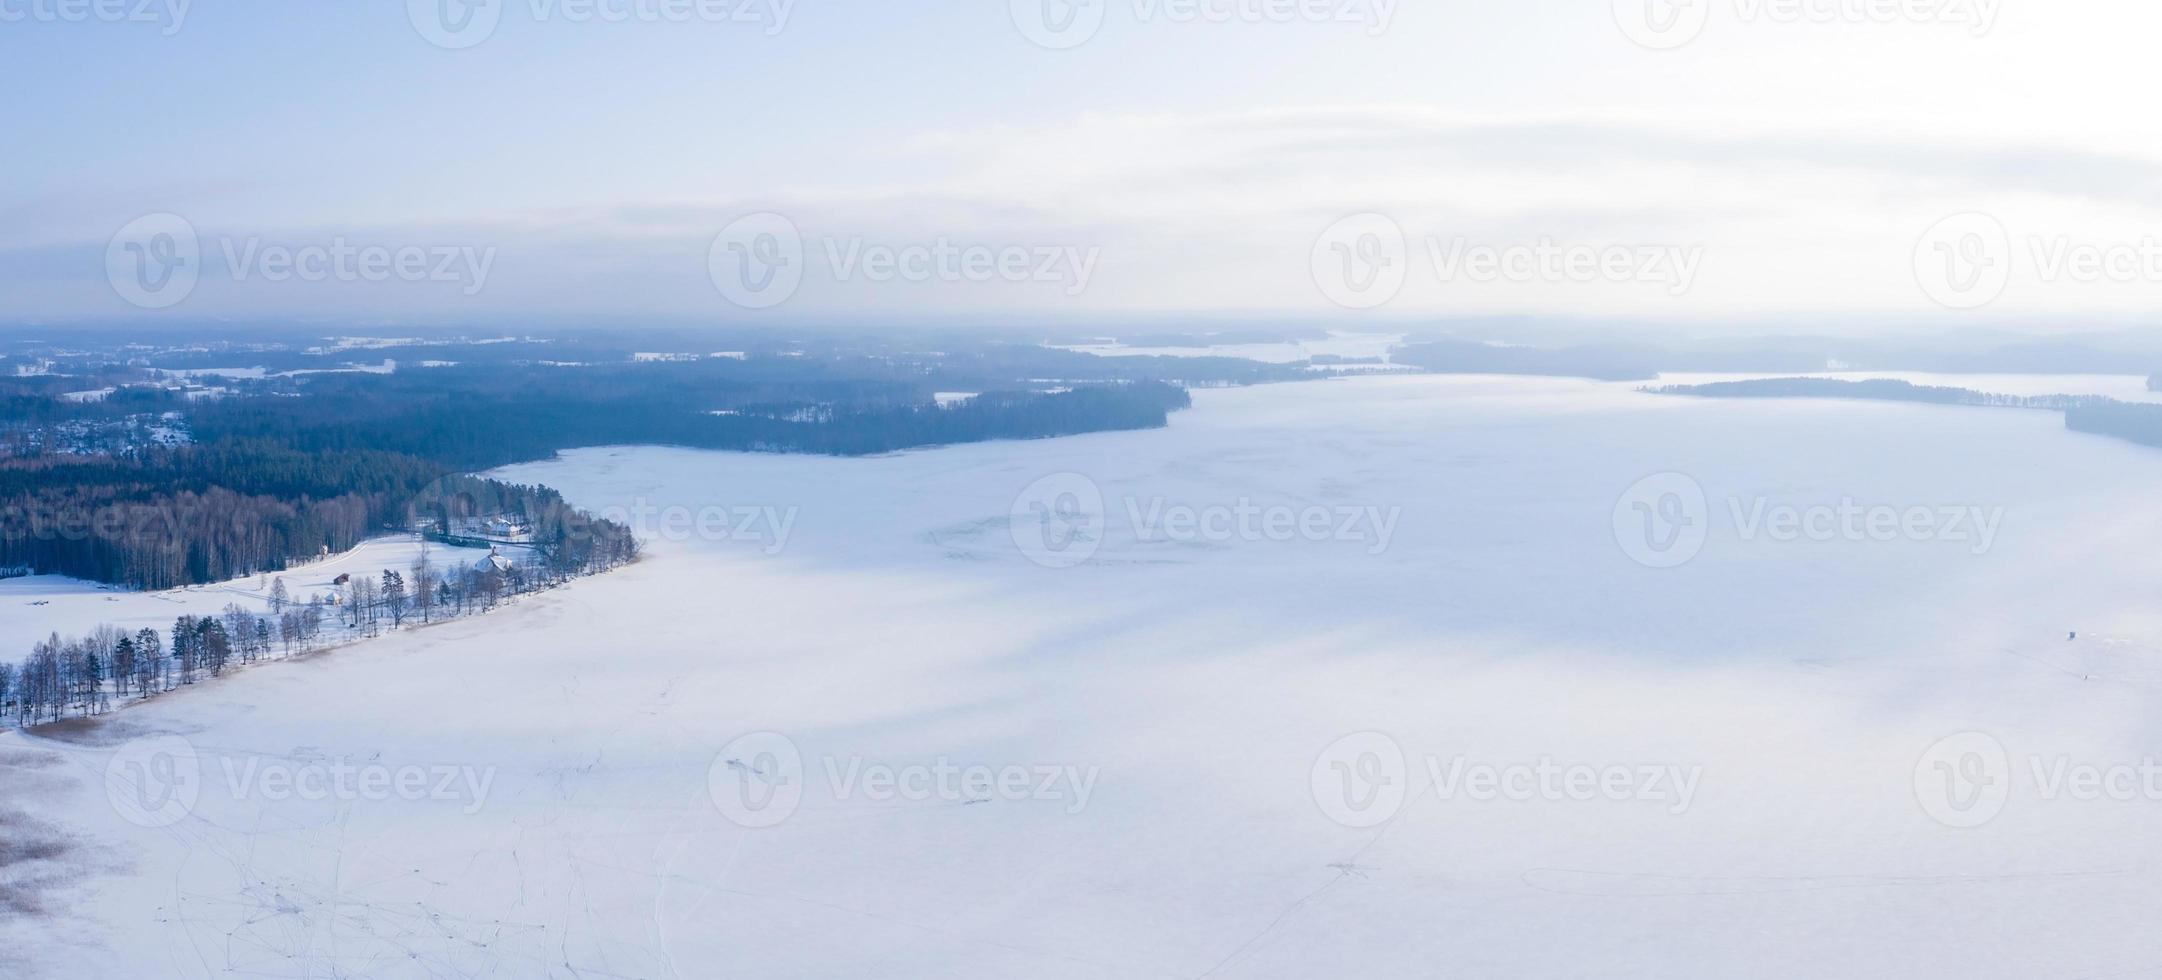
x,y
342,579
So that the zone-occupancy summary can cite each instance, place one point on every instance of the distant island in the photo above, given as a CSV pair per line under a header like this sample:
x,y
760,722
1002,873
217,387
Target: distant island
x,y
2095,414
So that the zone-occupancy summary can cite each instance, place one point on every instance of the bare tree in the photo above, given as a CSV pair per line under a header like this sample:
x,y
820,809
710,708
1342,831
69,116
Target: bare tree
x,y
423,576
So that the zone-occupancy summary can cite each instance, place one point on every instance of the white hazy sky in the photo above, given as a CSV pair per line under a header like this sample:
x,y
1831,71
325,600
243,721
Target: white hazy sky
x,y
1797,154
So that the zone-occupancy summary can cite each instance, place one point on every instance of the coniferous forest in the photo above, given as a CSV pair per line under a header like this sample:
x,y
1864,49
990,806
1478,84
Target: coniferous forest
x,y
179,476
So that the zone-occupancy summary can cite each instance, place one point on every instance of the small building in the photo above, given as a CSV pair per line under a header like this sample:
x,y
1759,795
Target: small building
x,y
495,562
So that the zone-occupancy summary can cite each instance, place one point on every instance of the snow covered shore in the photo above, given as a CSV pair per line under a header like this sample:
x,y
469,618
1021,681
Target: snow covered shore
x,y
33,606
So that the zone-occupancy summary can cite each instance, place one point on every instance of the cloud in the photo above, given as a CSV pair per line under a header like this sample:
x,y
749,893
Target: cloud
x,y
1219,211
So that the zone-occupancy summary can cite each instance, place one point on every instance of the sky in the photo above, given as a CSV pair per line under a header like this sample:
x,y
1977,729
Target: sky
x,y
1353,161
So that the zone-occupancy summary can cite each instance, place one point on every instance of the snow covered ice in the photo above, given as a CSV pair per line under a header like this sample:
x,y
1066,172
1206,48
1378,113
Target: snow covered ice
x,y
1154,704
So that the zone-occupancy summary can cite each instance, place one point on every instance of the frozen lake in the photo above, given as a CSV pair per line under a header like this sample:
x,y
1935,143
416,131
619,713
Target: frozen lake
x,y
1391,676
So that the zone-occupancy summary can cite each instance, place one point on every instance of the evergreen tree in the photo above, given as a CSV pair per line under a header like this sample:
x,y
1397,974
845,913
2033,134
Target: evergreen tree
x,y
394,598
149,662
123,664
187,648
216,645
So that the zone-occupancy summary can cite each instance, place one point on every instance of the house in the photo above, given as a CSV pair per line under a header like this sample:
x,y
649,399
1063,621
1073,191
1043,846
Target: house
x,y
504,527
494,562
342,579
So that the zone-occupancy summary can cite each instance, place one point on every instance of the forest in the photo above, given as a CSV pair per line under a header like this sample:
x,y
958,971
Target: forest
x,y
167,517
2131,422
476,419
118,470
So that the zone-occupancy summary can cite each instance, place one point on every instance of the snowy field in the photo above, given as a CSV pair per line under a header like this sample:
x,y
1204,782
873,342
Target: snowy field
x,y
1386,677
34,607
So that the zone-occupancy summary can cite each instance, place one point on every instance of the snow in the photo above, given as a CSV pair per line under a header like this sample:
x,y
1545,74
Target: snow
x,y
947,399
33,607
388,366
1202,678
1338,343
231,373
368,343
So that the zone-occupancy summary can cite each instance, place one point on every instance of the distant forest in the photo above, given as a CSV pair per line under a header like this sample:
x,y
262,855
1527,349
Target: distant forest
x,y
475,418
170,517
2130,421
2094,414
1879,389
1600,363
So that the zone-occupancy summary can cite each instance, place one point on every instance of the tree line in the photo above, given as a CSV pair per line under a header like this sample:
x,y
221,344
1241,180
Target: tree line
x,y
87,675
2138,422
472,420
1881,389
182,516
